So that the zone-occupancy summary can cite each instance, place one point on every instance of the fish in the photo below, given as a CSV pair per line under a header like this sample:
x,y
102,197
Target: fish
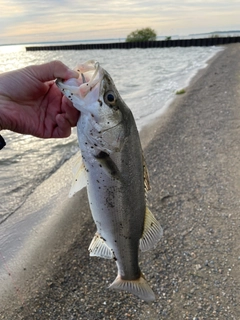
x,y
114,171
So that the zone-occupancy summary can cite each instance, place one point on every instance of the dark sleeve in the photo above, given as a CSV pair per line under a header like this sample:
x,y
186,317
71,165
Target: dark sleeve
x,y
2,142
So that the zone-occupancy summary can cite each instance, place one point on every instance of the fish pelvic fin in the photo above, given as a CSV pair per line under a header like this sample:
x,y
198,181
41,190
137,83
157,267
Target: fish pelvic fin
x,y
79,177
99,248
152,232
138,287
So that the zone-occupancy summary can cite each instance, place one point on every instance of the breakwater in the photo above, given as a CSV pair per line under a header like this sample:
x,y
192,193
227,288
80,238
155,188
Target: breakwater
x,y
144,44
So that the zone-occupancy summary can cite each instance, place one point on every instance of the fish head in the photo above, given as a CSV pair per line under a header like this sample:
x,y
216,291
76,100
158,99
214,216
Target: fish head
x,y
83,91
96,97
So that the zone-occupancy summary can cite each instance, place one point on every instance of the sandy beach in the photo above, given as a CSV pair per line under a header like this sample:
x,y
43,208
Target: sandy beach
x,y
193,157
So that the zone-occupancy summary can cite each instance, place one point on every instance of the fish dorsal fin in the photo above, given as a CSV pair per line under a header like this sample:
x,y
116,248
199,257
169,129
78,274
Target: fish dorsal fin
x,y
99,248
152,232
79,177
145,175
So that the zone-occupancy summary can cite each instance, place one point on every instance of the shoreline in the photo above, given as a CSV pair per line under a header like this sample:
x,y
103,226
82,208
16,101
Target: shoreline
x,y
192,154
159,118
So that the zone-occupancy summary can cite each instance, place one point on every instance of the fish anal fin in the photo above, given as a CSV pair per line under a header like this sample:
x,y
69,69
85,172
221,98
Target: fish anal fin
x,y
99,248
79,177
152,232
138,287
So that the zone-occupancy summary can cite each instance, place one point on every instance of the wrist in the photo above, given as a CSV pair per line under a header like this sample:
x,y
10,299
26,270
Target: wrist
x,y
3,106
1,114
2,141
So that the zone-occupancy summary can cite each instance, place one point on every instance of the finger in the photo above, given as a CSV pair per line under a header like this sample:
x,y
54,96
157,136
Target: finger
x,y
63,129
52,70
71,113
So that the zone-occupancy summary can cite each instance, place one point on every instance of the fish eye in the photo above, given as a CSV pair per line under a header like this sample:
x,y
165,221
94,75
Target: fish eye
x,y
109,97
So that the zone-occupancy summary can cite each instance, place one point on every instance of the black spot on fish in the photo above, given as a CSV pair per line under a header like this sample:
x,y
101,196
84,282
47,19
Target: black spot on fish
x,y
102,238
114,258
100,102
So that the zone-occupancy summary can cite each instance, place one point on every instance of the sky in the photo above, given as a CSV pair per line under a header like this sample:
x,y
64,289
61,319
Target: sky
x,y
66,20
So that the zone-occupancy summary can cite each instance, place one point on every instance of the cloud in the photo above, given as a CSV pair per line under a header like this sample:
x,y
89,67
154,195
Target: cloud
x,y
70,19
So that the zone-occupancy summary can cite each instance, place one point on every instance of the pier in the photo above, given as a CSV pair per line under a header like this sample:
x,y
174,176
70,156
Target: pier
x,y
215,41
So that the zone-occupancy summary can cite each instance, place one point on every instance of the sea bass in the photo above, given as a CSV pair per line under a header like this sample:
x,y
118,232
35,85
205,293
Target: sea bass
x,y
114,170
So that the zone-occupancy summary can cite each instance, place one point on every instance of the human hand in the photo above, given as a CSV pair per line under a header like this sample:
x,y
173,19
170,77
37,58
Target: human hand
x,y
31,103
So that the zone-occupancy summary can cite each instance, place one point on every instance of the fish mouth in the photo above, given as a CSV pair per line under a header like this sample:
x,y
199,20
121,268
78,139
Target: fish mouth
x,y
90,77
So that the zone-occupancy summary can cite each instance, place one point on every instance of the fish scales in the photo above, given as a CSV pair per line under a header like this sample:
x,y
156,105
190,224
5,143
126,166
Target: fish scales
x,y
114,169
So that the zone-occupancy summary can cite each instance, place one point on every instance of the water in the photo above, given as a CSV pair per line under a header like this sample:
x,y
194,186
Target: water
x,y
147,79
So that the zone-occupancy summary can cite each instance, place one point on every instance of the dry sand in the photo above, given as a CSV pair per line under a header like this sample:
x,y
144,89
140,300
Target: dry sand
x,y
193,156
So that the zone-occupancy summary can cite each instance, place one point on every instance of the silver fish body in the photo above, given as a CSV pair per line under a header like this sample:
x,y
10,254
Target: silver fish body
x,y
116,176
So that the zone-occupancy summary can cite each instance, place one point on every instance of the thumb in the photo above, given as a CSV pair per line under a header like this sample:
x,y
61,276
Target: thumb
x,y
52,70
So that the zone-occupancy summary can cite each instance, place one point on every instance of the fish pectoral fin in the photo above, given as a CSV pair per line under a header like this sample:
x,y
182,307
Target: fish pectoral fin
x,y
152,232
79,177
108,165
139,287
99,248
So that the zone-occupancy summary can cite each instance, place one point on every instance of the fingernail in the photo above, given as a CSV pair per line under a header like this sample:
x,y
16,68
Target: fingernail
x,y
73,73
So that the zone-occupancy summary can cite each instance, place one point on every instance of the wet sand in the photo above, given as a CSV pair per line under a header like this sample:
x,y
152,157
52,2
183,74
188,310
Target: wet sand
x,y
193,157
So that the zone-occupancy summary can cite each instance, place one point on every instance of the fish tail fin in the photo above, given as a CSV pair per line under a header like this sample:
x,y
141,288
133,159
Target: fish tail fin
x,y
138,287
